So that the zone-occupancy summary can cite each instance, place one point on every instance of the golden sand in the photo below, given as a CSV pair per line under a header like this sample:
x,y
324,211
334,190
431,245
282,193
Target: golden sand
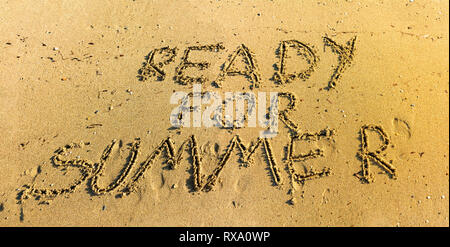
x,y
86,137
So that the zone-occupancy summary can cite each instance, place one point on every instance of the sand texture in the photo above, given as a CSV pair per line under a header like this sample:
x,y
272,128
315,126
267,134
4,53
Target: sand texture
x,y
363,113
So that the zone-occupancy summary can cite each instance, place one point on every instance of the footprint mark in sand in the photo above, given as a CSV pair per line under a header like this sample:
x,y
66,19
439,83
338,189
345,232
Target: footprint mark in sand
x,y
401,127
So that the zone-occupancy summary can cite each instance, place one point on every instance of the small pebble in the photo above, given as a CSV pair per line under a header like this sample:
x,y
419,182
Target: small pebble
x,y
292,201
442,197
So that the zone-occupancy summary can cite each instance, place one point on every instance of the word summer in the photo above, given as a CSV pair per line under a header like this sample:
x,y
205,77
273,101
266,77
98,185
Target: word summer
x,y
126,182
212,115
289,52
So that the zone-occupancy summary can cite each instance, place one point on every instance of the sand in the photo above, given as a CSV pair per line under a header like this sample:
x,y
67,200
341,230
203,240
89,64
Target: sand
x,y
84,119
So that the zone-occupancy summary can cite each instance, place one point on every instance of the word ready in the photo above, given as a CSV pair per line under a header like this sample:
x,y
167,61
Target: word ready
x,y
157,59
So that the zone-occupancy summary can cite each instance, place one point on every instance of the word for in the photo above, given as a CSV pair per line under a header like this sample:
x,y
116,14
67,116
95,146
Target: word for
x,y
181,115
158,58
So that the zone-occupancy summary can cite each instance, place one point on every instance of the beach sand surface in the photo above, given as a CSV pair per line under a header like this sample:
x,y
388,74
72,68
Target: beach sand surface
x,y
78,122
